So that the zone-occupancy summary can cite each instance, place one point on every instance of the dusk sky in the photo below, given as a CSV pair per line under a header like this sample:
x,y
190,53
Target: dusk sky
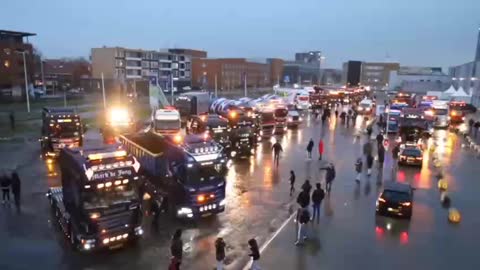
x,y
413,32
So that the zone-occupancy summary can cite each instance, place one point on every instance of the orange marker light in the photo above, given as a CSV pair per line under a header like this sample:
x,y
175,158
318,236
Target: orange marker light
x,y
201,198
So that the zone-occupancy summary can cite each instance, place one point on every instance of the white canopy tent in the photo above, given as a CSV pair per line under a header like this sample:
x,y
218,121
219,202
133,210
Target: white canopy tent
x,y
449,92
461,95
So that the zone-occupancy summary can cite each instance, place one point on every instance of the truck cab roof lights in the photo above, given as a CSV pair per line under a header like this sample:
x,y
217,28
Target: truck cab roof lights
x,y
99,156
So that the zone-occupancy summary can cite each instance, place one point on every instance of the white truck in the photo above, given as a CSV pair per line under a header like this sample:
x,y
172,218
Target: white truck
x,y
441,113
166,121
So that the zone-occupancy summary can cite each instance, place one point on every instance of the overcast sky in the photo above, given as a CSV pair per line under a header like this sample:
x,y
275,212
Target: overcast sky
x,y
413,32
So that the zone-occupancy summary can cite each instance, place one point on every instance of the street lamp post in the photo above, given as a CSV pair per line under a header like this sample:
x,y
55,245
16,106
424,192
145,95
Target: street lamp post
x,y
26,78
43,77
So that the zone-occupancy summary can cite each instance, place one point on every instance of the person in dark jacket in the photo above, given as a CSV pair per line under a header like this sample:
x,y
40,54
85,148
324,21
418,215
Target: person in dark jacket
x,y
292,182
16,185
324,118
220,252
330,176
307,186
381,156
11,116
303,199
254,253
317,197
475,130
5,183
470,125
367,148
369,132
343,115
369,164
395,152
310,148
379,139
358,169
176,249
277,148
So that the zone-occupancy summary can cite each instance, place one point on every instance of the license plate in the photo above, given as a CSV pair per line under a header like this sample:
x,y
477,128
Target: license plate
x,y
206,214
116,246
218,131
392,210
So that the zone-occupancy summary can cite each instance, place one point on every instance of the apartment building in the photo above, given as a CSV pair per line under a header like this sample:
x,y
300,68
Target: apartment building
x,y
229,73
12,75
126,65
377,74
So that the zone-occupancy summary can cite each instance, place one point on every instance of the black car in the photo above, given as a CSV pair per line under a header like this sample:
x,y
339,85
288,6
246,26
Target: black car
x,y
396,199
411,154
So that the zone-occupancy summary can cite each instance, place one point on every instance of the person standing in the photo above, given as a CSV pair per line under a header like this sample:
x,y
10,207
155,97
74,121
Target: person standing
x,y
220,252
475,130
369,165
292,182
320,149
367,148
395,152
470,124
358,169
11,116
176,250
369,132
330,177
379,139
317,197
307,187
16,185
254,253
381,156
277,148
5,183
310,148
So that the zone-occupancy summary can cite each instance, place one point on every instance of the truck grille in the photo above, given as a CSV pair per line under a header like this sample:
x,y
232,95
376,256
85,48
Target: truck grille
x,y
118,220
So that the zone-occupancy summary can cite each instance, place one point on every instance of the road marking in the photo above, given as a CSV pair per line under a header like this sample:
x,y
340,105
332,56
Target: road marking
x,y
274,235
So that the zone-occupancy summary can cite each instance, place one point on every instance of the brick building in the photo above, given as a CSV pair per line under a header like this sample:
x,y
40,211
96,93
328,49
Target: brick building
x,y
12,75
64,74
230,72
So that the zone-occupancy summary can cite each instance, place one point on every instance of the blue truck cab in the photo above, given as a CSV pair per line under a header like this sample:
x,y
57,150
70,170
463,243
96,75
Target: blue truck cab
x,y
187,174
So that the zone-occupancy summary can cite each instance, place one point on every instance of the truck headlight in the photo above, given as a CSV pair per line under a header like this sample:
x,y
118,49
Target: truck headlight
x,y
261,132
222,203
184,211
87,246
138,230
233,154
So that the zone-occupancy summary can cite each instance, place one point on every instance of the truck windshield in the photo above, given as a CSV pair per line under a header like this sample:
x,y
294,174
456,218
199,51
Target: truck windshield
x,y
199,175
104,198
267,117
167,125
281,112
441,112
63,130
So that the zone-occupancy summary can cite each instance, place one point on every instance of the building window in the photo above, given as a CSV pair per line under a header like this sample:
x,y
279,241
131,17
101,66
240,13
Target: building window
x,y
166,65
187,65
154,64
174,65
182,74
182,58
145,64
119,63
182,65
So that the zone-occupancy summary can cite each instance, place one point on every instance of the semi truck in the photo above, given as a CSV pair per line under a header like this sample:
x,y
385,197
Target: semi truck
x,y
97,205
441,114
280,113
243,134
117,120
166,121
192,103
213,126
186,175
61,127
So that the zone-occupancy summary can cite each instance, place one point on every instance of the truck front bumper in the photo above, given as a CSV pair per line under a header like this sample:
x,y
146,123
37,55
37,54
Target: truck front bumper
x,y
204,210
